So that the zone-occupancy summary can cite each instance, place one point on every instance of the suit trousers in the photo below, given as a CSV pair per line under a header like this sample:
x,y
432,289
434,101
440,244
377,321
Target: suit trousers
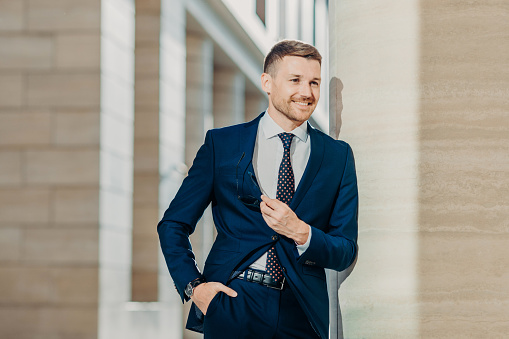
x,y
258,312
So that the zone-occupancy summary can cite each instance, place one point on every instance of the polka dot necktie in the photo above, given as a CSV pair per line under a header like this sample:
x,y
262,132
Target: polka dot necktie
x,y
285,190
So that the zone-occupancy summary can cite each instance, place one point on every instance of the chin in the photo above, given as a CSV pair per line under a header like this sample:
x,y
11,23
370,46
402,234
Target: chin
x,y
302,116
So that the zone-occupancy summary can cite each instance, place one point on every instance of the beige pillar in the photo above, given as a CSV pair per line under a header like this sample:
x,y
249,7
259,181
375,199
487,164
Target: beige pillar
x,y
116,165
419,89
146,153
229,97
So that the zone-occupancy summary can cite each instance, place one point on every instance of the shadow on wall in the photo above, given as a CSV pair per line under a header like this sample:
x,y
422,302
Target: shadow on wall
x,y
336,106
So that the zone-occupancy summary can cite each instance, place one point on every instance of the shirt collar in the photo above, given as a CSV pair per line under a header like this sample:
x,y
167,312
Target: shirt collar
x,y
271,129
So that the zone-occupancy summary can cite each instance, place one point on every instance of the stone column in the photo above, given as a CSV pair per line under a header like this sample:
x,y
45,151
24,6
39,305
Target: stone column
x,y
117,32
419,89
229,97
464,169
146,152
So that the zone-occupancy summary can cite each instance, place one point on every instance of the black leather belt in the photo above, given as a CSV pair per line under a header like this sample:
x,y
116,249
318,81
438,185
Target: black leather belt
x,y
262,278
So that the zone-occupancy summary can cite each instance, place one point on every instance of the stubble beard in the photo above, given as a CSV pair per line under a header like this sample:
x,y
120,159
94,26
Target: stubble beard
x,y
285,108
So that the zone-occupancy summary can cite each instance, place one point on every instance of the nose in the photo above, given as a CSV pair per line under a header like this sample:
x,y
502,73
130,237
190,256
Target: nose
x,y
305,90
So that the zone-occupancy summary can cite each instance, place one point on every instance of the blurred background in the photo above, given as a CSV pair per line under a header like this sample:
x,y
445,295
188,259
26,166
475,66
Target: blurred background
x,y
104,103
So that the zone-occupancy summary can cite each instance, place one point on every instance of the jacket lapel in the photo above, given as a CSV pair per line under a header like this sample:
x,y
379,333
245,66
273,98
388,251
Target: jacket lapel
x,y
312,167
247,139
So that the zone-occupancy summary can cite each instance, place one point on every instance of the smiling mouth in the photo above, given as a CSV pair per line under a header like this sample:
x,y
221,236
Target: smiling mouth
x,y
300,103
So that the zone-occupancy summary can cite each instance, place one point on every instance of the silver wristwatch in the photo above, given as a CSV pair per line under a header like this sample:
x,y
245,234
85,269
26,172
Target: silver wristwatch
x,y
190,287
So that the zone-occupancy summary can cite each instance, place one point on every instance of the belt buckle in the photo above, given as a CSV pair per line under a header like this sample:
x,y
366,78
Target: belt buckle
x,y
279,288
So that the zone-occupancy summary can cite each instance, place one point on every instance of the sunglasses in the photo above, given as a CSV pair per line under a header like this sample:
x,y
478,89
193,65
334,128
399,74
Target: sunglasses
x,y
248,200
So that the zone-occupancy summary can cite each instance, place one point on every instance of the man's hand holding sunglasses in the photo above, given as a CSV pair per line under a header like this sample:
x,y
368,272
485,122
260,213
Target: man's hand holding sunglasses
x,y
283,220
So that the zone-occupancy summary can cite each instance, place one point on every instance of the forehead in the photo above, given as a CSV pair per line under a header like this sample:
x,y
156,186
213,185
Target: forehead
x,y
298,66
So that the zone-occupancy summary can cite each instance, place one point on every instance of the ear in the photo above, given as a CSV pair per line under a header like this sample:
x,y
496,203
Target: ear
x,y
266,83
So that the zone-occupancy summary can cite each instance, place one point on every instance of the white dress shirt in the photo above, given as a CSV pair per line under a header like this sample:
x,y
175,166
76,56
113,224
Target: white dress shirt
x,y
267,156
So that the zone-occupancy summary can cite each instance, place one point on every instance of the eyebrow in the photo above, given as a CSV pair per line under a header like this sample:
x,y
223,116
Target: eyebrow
x,y
300,76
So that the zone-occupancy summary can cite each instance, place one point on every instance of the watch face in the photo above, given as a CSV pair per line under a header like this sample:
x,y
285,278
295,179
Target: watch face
x,y
189,290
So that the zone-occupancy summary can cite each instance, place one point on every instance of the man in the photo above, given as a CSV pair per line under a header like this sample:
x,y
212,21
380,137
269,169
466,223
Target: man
x,y
284,201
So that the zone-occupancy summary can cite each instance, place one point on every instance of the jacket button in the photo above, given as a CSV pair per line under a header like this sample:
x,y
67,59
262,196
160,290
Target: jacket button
x,y
274,237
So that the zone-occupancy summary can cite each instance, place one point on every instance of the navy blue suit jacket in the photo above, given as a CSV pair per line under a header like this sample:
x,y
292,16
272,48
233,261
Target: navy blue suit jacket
x,y
326,199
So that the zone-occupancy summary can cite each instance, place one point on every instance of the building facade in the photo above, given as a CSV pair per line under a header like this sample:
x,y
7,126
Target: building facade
x,y
103,104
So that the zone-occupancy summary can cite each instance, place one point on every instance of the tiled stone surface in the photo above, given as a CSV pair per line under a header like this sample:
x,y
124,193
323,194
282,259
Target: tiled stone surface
x,y
146,258
26,52
48,322
24,205
10,168
63,167
147,154
75,285
147,92
146,123
51,174
12,87
10,245
24,129
76,128
63,90
145,188
70,246
77,51
63,15
36,285
147,217
12,15
143,285
147,61
148,28
76,206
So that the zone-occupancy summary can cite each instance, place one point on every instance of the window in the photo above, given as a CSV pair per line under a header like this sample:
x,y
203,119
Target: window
x,y
260,10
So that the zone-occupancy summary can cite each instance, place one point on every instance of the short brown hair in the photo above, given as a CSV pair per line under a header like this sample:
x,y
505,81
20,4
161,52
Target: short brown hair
x,y
292,48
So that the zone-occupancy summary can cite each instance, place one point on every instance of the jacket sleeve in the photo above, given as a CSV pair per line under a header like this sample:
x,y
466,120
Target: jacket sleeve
x,y
179,220
336,248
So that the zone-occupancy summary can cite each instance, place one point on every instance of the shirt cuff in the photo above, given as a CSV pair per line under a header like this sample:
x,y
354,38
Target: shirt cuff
x,y
302,248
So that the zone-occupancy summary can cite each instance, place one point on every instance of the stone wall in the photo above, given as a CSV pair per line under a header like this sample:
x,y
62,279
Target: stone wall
x,y
49,164
421,94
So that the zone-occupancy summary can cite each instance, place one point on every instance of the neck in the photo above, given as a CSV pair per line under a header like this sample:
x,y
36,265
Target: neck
x,y
286,124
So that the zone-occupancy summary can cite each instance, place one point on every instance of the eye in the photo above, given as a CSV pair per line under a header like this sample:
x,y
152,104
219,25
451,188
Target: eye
x,y
294,80
314,83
